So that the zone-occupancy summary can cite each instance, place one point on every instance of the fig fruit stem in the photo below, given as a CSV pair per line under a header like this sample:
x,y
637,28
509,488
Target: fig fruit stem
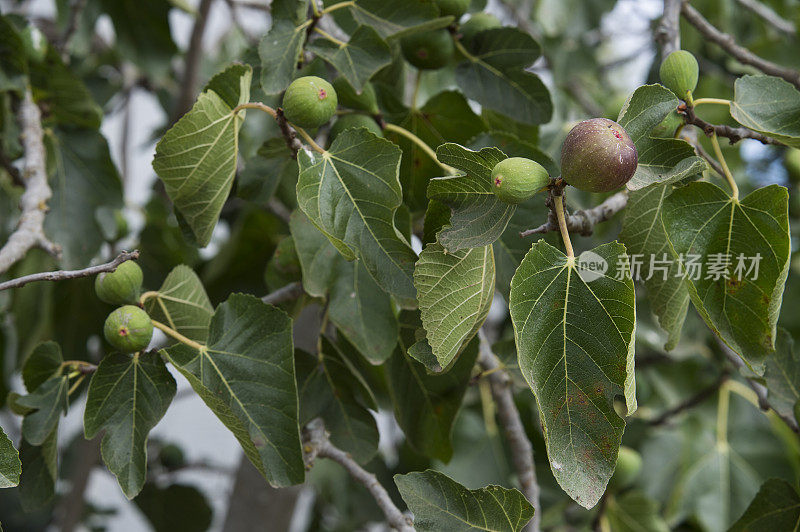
x,y
178,336
147,295
420,144
256,105
558,203
334,7
338,42
317,148
464,52
75,385
315,9
718,101
725,170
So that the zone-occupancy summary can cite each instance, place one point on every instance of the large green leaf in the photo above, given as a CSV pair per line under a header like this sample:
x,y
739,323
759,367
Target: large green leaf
x,y
10,466
455,292
358,307
396,18
182,304
441,503
245,374
494,75
660,160
776,506
175,507
704,221
645,238
769,105
196,159
782,375
426,405
84,179
359,58
574,341
280,50
477,218
43,362
39,472
50,401
351,194
128,395
331,388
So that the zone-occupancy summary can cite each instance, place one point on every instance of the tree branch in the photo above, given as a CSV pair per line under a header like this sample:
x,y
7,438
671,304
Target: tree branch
x,y
72,26
727,43
733,134
583,221
518,442
289,292
769,16
30,230
288,132
61,275
193,55
316,444
668,34
691,402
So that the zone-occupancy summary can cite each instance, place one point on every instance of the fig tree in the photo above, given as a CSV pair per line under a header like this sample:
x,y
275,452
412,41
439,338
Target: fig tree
x,y
128,329
348,97
629,465
121,286
517,179
598,156
679,73
453,8
352,121
309,102
428,50
477,23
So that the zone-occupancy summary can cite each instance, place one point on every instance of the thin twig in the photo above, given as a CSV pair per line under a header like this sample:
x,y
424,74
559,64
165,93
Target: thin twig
x,y
691,402
769,16
192,62
583,221
62,45
704,154
316,444
743,55
290,292
12,170
289,134
518,442
733,134
668,34
30,229
61,275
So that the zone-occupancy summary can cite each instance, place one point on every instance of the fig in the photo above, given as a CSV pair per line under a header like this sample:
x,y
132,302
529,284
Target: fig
x,y
172,457
598,156
629,465
351,121
350,98
477,23
679,73
309,102
428,50
666,129
791,161
517,179
452,8
128,329
121,286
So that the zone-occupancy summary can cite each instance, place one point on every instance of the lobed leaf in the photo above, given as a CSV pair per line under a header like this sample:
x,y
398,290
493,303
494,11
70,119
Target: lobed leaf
x,y
182,304
280,50
776,506
359,58
769,105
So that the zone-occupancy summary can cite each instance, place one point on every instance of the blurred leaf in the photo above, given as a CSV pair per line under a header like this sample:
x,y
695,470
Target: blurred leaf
x,y
634,512
182,304
397,18
782,375
50,401
768,105
175,507
776,506
43,362
39,472
359,58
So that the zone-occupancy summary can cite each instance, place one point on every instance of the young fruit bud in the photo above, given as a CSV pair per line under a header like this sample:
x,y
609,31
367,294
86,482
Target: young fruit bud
x,y
598,156
121,286
309,102
517,179
352,121
679,73
453,8
128,329
348,97
477,23
629,465
428,50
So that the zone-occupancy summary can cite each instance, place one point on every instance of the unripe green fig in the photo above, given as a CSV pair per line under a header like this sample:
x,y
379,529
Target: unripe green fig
x,y
128,329
309,102
171,457
517,179
666,129
351,121
121,286
428,50
477,23
285,257
629,465
348,97
679,73
598,156
791,161
452,8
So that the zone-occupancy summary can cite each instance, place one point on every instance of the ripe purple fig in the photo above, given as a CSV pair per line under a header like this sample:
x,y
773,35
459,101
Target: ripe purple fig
x,y
598,156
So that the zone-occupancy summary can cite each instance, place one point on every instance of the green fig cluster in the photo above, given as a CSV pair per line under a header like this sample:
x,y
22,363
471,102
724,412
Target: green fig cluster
x,y
477,23
309,102
429,50
517,179
128,329
120,287
679,73
598,155
629,465
353,121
